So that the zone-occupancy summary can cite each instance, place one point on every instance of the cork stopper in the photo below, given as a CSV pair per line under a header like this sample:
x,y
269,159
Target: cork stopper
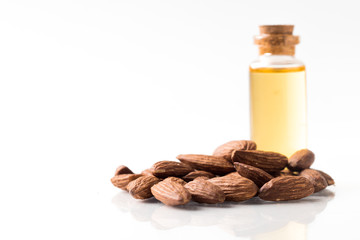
x,y
276,39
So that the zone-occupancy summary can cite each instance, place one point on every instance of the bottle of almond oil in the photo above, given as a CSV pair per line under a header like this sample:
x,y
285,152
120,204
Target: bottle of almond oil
x,y
278,92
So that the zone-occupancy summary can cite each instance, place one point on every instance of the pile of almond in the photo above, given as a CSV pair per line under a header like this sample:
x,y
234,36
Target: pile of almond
x,y
235,172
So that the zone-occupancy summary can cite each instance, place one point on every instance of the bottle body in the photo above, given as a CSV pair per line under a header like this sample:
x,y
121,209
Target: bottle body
x,y
278,116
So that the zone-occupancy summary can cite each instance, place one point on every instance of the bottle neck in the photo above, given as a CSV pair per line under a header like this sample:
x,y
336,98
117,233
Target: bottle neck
x,y
268,60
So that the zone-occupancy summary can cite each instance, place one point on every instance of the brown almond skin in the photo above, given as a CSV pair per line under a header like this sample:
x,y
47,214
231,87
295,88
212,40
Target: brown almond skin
x,y
191,176
147,172
265,160
225,150
301,159
329,179
316,178
201,177
257,175
233,174
164,169
121,181
140,188
122,170
203,191
286,188
213,164
235,187
171,193
178,180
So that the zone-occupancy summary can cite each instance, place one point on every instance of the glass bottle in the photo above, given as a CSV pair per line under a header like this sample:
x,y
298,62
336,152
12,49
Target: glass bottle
x,y
278,92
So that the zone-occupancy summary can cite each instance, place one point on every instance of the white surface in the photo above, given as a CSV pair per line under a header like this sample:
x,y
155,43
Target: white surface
x,y
88,85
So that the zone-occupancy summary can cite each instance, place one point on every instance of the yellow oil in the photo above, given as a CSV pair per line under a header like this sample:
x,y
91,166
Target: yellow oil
x,y
278,109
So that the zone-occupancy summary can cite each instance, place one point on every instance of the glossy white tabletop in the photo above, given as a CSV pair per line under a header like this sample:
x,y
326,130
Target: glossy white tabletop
x,y
324,215
72,206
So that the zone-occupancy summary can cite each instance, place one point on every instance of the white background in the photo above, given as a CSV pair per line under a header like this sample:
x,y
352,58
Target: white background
x,y
89,85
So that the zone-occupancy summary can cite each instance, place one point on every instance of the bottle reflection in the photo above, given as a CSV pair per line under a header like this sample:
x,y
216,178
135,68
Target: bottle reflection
x,y
255,218
293,230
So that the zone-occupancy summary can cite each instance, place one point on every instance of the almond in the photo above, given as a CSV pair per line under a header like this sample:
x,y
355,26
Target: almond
x,y
233,174
164,169
301,159
213,164
329,179
202,177
171,193
203,191
122,170
140,188
235,187
316,178
265,160
191,176
147,172
178,180
225,150
122,180
257,175
286,188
